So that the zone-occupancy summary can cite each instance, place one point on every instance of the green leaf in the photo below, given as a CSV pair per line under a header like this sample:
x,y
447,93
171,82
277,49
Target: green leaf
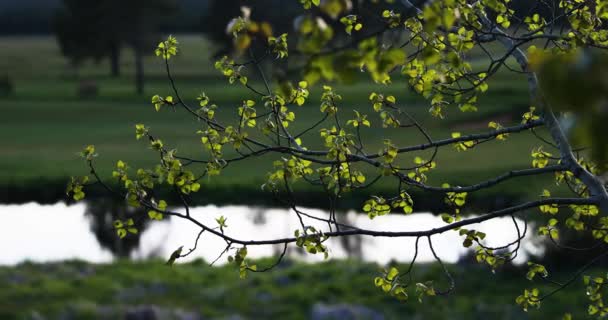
x,y
174,256
392,273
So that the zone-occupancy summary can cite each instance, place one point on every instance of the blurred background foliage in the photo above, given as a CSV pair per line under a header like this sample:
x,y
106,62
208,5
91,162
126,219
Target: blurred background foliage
x,y
578,83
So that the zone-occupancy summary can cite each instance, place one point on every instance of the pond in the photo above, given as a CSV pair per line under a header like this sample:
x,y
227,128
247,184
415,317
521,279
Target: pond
x,y
44,233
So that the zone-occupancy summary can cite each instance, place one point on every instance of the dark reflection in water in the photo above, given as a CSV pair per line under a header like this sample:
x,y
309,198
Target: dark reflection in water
x,y
353,246
259,217
102,213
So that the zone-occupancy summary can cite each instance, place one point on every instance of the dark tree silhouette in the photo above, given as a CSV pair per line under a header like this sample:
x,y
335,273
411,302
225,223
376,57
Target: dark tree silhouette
x,y
90,29
102,213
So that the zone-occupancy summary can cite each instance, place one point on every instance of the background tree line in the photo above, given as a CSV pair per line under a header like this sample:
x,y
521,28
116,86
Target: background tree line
x,y
99,30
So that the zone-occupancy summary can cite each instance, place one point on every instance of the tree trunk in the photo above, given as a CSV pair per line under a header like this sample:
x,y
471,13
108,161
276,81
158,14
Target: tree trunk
x,y
139,69
115,60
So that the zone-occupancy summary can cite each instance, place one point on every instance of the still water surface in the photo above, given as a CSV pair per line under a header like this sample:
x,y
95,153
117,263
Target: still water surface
x,y
44,233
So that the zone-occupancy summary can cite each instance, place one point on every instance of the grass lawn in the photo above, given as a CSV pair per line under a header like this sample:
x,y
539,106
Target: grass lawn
x,y
44,123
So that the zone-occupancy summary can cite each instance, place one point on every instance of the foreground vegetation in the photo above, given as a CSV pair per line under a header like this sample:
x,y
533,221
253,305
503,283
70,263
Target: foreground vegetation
x,y
78,290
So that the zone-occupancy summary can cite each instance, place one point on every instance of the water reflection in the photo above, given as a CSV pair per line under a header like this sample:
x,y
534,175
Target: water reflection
x,y
57,232
102,213
48,233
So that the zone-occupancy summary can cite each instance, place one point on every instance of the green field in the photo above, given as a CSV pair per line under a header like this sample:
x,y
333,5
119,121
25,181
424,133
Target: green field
x,y
44,123
77,290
